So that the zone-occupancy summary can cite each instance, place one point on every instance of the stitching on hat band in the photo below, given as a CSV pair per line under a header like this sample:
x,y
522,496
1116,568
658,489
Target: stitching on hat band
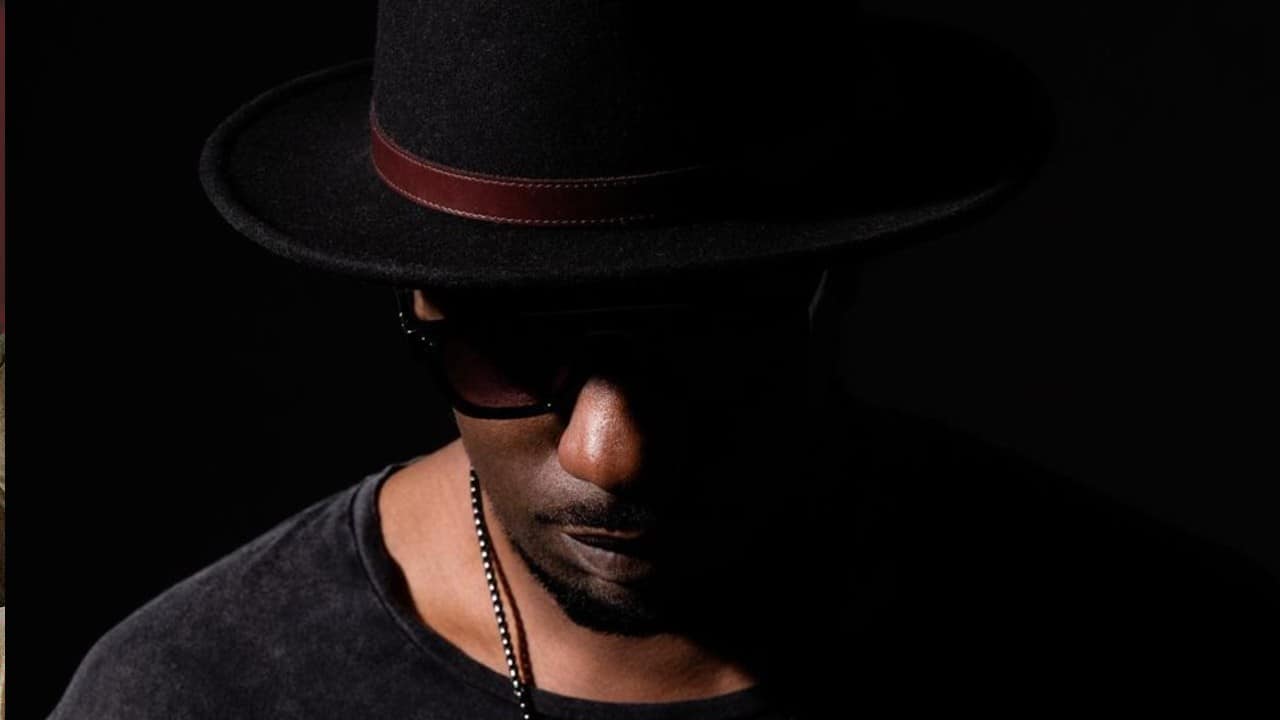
x,y
530,201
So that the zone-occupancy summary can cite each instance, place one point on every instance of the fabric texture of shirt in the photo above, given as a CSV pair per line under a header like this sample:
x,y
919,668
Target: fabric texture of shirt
x,y
981,579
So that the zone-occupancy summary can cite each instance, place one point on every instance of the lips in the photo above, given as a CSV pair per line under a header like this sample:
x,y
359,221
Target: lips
x,y
627,543
622,558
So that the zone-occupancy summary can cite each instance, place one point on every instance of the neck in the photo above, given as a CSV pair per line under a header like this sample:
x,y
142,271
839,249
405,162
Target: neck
x,y
427,522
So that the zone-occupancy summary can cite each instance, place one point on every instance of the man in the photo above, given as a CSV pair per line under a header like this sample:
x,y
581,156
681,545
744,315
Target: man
x,y
612,224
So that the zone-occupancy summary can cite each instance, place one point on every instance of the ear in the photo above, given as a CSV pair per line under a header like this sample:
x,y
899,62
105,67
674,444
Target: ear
x,y
424,308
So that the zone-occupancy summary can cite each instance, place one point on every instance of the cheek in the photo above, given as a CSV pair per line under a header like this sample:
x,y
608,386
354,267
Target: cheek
x,y
510,456
506,451
500,445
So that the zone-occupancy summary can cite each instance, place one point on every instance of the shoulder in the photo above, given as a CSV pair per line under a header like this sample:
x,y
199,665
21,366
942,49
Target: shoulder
x,y
213,641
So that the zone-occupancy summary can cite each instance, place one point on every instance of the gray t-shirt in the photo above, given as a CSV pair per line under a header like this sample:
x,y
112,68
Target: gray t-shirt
x,y
312,620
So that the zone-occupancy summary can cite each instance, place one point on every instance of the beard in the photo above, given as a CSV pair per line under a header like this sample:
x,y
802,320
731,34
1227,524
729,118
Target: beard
x,y
636,611
686,589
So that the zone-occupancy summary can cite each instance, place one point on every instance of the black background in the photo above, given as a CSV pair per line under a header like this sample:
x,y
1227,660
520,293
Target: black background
x,y
180,390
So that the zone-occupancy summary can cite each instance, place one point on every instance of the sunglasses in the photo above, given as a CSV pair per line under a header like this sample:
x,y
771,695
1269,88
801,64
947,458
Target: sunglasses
x,y
516,365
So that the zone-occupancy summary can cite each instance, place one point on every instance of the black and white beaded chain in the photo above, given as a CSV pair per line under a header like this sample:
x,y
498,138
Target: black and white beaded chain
x,y
491,577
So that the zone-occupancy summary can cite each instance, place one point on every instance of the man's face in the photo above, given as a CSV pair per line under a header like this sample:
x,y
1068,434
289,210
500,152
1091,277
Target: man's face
x,y
658,462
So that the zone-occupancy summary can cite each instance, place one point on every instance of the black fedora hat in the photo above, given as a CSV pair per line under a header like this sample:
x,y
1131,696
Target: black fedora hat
x,y
508,145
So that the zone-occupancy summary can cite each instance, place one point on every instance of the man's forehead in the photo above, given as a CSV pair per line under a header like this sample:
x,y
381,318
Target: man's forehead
x,y
734,290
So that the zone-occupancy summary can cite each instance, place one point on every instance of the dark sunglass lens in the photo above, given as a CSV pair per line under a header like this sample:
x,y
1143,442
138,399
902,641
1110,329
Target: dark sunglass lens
x,y
494,372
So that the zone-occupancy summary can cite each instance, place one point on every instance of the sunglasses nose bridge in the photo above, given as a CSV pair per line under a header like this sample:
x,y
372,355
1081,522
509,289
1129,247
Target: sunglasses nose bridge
x,y
645,363
642,381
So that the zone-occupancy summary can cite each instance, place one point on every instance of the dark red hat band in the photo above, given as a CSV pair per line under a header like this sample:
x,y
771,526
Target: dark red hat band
x,y
535,201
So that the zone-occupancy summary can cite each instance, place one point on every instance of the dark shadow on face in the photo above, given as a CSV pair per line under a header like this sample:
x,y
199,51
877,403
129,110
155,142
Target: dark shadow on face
x,y
691,453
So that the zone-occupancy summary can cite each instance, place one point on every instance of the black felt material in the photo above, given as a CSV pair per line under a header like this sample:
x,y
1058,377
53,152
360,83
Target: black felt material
x,y
963,575
291,170
566,88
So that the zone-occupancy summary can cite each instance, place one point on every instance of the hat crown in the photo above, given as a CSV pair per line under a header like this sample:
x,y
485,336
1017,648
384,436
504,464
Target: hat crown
x,y
599,88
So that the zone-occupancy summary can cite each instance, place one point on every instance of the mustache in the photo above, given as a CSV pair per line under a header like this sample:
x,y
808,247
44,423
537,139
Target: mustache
x,y
606,514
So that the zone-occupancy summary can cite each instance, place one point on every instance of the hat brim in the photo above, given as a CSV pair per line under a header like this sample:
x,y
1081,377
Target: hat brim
x,y
292,171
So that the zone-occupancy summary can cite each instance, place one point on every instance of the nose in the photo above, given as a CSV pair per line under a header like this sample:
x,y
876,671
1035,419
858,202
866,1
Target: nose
x,y
605,441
